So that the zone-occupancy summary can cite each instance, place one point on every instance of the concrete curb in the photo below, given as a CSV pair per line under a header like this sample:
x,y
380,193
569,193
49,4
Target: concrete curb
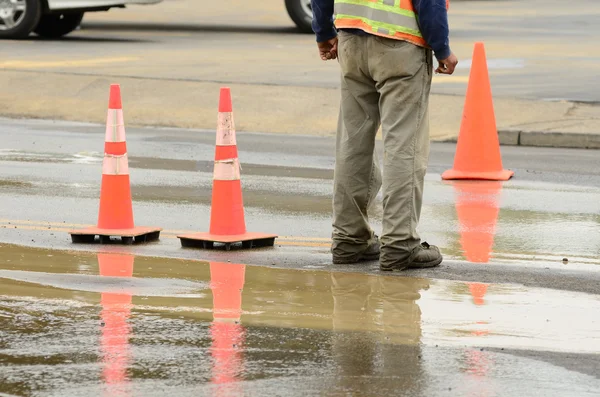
x,y
546,139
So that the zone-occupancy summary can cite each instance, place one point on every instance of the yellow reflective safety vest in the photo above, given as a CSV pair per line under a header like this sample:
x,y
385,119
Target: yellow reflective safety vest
x,y
395,19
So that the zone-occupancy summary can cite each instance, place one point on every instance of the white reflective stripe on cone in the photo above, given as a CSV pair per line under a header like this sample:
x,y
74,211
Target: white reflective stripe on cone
x,y
226,130
115,126
227,170
115,165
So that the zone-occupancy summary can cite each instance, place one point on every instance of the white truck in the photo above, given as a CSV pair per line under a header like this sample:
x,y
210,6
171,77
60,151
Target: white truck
x,y
56,18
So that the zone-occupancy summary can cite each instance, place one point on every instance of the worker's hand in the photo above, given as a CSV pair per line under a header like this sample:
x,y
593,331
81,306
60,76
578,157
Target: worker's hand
x,y
328,49
447,66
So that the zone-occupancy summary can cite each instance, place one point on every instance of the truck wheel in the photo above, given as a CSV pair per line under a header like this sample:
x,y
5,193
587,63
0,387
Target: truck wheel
x,y
53,26
301,13
18,18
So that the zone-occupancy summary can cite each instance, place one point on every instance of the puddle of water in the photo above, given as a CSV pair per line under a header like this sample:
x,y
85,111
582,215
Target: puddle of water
x,y
477,207
480,222
513,221
83,324
14,184
78,158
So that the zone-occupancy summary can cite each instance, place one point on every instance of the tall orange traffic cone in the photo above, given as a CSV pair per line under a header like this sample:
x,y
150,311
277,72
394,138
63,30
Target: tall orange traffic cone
x,y
477,207
115,217
228,335
227,222
478,149
116,310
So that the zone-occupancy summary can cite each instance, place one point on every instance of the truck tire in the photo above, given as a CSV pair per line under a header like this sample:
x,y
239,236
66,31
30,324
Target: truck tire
x,y
301,13
18,19
53,26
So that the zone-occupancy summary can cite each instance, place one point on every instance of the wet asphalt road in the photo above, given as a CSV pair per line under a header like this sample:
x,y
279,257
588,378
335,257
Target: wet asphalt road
x,y
76,323
503,316
79,324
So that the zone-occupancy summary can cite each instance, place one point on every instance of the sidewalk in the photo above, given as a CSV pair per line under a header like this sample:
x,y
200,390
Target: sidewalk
x,y
526,123
273,108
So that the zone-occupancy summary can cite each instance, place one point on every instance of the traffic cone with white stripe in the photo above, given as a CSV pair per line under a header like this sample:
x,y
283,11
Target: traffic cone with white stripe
x,y
227,222
115,218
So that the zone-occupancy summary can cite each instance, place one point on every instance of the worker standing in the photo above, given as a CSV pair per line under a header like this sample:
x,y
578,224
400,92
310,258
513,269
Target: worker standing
x,y
385,51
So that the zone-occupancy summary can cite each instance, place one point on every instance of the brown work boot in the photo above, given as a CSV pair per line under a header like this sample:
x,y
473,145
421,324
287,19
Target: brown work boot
x,y
421,257
370,254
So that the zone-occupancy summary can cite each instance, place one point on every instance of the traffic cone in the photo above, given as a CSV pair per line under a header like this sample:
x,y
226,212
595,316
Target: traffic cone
x,y
478,148
116,310
228,335
477,208
227,222
115,217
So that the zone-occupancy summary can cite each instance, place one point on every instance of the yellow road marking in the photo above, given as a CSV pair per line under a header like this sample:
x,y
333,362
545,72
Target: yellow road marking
x,y
283,241
21,64
37,228
449,79
44,225
316,242
23,222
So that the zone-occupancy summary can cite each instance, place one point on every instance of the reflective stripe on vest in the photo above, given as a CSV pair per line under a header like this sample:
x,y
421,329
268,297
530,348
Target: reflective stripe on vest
x,y
388,18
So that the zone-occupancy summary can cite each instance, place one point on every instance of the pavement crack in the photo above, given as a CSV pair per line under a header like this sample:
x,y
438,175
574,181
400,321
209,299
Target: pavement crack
x,y
571,110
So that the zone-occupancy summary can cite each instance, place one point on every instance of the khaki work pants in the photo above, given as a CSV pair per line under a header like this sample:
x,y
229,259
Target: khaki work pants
x,y
384,82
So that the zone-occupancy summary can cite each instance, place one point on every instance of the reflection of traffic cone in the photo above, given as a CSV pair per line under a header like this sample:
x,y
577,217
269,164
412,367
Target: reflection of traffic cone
x,y
116,265
227,282
478,149
227,222
477,207
478,291
479,363
115,217
116,309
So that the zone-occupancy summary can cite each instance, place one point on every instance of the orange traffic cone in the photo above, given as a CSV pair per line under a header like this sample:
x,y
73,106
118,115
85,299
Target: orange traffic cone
x,y
477,207
227,283
115,217
478,149
116,310
227,222
478,291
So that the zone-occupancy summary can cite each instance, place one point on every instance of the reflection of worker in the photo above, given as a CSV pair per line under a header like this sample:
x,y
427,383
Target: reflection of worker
x,y
377,324
384,51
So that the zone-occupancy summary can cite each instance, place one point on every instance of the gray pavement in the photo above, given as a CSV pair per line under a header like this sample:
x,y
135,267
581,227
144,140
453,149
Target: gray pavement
x,y
504,314
171,59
